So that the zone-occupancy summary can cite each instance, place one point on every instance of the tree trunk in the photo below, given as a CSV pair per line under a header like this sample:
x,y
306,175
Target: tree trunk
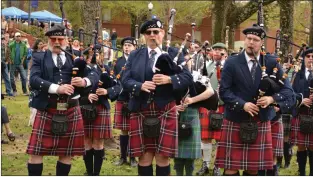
x,y
286,23
90,10
133,20
220,10
21,5
231,39
9,3
311,26
51,6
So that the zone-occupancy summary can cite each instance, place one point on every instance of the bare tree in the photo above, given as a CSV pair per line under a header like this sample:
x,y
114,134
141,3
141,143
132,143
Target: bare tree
x,y
286,23
235,14
90,10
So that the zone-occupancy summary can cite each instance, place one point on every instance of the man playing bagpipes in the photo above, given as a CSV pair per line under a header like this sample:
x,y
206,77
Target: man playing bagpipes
x,y
153,118
58,126
97,117
208,131
121,114
302,123
246,141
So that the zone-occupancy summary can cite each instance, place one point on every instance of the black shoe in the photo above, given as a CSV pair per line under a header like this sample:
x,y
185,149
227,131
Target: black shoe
x,y
120,162
133,162
279,162
287,165
204,170
216,171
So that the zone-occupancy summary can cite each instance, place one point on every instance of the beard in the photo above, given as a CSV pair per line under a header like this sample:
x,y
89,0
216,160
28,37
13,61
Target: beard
x,y
251,51
52,47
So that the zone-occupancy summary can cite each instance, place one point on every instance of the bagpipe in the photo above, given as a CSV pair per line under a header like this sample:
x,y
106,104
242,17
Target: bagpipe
x,y
168,66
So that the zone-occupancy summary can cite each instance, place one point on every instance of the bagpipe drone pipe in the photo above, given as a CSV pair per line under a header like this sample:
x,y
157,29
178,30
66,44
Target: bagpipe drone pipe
x,y
167,65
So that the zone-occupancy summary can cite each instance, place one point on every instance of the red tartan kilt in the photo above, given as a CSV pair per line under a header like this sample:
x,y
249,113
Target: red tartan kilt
x,y
43,142
100,128
298,138
120,122
277,130
167,142
205,122
232,154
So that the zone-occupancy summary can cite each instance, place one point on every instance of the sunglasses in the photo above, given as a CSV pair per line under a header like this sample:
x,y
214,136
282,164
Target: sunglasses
x,y
17,36
309,56
155,32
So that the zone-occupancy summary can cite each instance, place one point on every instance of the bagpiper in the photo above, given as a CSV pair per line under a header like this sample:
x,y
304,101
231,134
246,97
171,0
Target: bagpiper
x,y
97,118
122,114
208,133
153,121
301,125
58,126
246,129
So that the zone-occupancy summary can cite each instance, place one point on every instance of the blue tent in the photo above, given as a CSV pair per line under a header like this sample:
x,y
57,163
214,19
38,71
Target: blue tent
x,y
13,12
44,15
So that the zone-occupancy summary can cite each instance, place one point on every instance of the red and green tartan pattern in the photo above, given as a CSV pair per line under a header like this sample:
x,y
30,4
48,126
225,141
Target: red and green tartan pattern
x,y
100,128
120,122
232,154
298,138
277,130
167,142
206,133
43,142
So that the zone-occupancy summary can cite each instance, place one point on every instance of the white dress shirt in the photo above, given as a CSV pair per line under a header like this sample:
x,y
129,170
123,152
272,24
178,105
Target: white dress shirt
x,y
307,73
250,63
54,87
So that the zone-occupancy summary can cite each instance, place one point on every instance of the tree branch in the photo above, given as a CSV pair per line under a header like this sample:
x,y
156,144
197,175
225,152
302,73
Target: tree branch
x,y
240,14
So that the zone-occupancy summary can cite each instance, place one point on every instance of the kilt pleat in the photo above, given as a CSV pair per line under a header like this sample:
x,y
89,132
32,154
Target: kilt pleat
x,y
298,138
277,130
190,148
120,122
166,143
99,128
206,133
232,154
43,142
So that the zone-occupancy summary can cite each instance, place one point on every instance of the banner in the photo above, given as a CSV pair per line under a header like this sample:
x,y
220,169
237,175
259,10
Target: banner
x,y
34,3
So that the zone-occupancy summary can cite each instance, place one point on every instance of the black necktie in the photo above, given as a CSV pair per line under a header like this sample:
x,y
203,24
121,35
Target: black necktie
x,y
310,77
152,58
253,69
59,61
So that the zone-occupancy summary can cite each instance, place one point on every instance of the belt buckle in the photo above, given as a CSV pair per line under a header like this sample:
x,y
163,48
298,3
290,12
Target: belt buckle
x,y
62,106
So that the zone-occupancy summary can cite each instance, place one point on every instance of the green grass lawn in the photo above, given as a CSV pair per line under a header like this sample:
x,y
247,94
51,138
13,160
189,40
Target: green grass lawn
x,y
14,158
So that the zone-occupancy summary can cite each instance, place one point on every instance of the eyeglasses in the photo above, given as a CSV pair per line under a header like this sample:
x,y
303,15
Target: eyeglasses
x,y
309,56
155,32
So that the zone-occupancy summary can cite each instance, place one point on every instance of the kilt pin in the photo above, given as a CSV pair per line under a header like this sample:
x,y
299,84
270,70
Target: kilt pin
x,y
167,142
100,128
299,138
43,142
232,154
120,122
206,133
277,130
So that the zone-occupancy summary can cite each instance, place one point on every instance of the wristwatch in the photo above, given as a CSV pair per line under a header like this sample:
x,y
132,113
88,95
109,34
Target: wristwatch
x,y
169,79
